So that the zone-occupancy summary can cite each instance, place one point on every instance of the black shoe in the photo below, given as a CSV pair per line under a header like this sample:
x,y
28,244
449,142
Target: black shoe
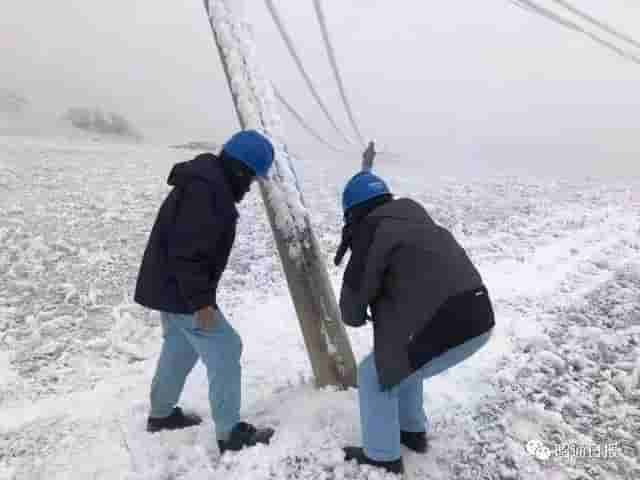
x,y
357,454
175,421
416,441
245,435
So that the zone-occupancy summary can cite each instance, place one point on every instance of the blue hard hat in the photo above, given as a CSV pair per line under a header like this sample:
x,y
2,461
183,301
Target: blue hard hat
x,y
362,187
251,148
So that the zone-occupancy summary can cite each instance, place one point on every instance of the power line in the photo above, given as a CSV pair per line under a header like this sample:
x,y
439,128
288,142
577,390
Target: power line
x,y
290,46
554,17
604,26
334,66
304,123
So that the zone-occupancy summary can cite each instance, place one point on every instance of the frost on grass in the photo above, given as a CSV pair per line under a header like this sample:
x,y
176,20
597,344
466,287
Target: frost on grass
x,y
76,356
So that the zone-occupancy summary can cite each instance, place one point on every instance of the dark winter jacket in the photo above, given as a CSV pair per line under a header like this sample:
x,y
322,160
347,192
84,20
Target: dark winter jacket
x,y
191,239
406,268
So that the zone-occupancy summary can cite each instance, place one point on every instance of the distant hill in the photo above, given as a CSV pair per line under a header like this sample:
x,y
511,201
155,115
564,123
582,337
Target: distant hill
x,y
94,120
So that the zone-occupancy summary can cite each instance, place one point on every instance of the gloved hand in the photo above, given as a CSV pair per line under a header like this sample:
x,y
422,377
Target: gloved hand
x,y
206,318
345,244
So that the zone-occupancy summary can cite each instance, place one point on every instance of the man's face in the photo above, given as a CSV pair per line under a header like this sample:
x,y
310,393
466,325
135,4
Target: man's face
x,y
240,194
348,217
244,178
240,177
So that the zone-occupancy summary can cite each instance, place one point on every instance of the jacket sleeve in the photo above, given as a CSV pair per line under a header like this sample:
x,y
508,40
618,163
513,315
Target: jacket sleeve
x,y
192,241
364,275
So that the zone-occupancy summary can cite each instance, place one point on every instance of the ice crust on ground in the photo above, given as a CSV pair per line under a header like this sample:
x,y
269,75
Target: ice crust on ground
x,y
561,260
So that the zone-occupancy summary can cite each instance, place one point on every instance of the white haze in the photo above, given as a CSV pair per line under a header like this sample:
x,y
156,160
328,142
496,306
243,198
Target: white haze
x,y
450,86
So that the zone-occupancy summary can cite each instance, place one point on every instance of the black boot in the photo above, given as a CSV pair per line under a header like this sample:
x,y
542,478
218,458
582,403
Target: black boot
x,y
245,435
416,441
175,421
357,454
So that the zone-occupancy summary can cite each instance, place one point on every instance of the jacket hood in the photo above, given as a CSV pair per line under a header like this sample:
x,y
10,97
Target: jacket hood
x,y
402,209
205,167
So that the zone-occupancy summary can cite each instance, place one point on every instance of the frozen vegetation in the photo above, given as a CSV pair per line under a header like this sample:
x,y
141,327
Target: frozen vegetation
x,y
94,120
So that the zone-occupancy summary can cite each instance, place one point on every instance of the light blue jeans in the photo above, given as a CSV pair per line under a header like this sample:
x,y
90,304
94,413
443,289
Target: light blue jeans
x,y
219,349
384,413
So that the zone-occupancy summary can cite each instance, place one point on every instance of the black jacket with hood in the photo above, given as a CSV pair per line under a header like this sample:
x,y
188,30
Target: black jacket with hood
x,y
405,267
191,239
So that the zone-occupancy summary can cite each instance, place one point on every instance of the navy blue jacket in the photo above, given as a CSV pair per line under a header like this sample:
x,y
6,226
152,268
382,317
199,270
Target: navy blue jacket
x,y
191,239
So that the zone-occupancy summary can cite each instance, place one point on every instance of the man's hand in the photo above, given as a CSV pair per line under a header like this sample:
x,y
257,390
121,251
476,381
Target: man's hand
x,y
206,318
345,244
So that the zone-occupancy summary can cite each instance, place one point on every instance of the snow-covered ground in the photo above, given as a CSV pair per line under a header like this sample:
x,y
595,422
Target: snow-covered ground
x,y
561,259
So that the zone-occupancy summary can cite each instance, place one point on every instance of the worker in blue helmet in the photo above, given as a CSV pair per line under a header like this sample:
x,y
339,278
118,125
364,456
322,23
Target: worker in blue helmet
x,y
428,305
185,257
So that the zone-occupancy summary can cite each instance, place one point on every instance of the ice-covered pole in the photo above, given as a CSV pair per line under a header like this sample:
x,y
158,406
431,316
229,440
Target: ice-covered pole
x,y
324,334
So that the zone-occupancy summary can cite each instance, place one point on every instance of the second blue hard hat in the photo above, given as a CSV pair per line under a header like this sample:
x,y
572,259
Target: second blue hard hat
x,y
362,187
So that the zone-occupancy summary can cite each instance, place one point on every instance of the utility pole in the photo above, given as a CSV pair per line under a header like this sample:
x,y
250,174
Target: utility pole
x,y
368,157
324,334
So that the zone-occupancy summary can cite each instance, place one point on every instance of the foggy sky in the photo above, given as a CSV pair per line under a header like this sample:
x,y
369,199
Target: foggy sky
x,y
448,85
